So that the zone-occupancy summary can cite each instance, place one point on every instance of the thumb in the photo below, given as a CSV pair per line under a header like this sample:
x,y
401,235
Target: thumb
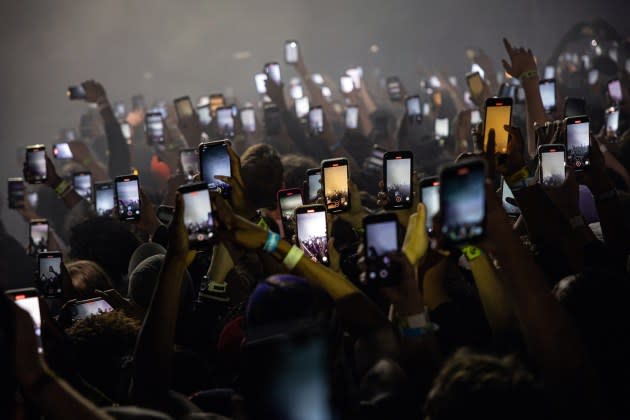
x,y
421,216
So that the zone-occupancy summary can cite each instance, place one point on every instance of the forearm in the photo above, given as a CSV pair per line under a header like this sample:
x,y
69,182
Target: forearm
x,y
119,157
366,108
535,111
432,272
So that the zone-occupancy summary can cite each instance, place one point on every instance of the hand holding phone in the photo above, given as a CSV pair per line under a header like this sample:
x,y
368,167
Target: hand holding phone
x,y
381,239
127,193
397,174
578,142
198,214
214,160
16,193
312,232
38,236
154,128
36,164
288,201
430,197
291,52
414,108
336,185
316,120
313,180
49,273
551,160
498,115
28,300
272,70
104,200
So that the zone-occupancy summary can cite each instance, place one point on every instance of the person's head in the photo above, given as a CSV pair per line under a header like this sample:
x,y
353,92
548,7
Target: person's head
x,y
107,242
86,277
295,166
102,344
481,386
262,174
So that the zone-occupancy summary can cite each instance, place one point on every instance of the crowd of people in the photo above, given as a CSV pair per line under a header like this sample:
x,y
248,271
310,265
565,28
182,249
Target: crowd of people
x,y
528,321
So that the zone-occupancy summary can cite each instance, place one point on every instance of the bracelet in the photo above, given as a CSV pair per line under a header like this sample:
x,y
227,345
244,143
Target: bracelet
x,y
528,75
517,176
471,252
292,258
67,191
271,244
261,223
606,196
87,161
62,187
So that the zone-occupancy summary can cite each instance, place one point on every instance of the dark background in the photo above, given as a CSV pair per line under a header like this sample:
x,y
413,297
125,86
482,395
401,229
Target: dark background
x,y
188,47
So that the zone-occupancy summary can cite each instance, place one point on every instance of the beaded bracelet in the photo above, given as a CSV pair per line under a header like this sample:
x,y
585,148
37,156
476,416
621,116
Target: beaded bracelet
x,y
293,257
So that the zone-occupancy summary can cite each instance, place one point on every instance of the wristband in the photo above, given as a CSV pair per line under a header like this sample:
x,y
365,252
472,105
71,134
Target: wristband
x,y
261,223
62,187
293,257
528,75
87,161
271,244
471,252
67,191
517,176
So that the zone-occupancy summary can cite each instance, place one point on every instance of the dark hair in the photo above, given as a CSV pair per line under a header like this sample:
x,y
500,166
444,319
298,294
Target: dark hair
x,y
86,277
295,166
262,174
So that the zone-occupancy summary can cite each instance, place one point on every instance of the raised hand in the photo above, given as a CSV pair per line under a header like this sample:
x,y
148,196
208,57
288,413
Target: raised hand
x,y
416,241
521,60
93,91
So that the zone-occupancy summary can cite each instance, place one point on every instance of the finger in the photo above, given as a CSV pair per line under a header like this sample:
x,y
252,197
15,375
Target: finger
x,y
223,210
506,66
421,212
235,164
508,47
490,144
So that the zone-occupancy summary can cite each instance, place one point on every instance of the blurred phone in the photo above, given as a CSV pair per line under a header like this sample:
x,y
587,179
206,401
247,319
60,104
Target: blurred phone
x,y
291,52
442,128
288,201
574,107
547,88
375,161
75,92
356,74
225,121
49,273
381,238
346,84
189,161
475,117
38,236
16,193
394,89
509,208
61,151
82,183
216,101
259,80
316,120
498,114
89,307
248,120
215,160
614,91
154,128
28,299
313,179
198,217
430,197
36,163
551,160
120,110
397,174
521,98
475,84
184,108
127,193
272,70
463,201
336,184
612,122
137,102
104,200
550,72
126,131
273,119
296,90
352,117
312,232
578,144
302,106
414,108
205,117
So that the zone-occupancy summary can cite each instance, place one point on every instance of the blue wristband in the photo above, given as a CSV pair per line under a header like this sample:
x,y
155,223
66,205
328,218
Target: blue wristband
x,y
271,244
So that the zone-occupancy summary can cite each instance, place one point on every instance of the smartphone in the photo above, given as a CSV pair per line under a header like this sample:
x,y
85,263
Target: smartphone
x,y
89,307
104,200
574,107
126,131
442,128
184,108
475,117
272,70
154,127
313,179
352,117
521,98
375,160
38,235
430,197
498,114
312,233
547,88
612,122
509,208
296,90
198,217
381,238
16,193
414,108
327,93
302,106
394,89
216,101
259,80
225,121
36,163
550,72
463,201
316,120
356,74
475,84
397,174
127,193
137,102
61,151
273,119
82,183
49,273
336,185
189,161
578,142
291,52
288,201
248,120
205,117
614,91
120,111
551,158
75,92
215,160
28,300
346,84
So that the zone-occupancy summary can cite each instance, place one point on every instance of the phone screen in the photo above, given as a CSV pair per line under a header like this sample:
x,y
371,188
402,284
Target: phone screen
x,y
498,115
413,106
463,201
398,181
184,108
506,193
352,118
190,162
128,196
316,120
431,200
39,236
346,83
216,101
104,197
614,91
393,89
548,94
90,307
198,215
225,121
273,71
126,131
612,122
336,190
475,84
49,275
36,161
552,167
296,91
442,127
550,72
288,204
16,193
302,107
248,119
475,116
155,128
381,238
82,183
31,305
574,107
312,235
291,52
578,144
355,73
62,151
214,160
314,185
260,79
204,115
